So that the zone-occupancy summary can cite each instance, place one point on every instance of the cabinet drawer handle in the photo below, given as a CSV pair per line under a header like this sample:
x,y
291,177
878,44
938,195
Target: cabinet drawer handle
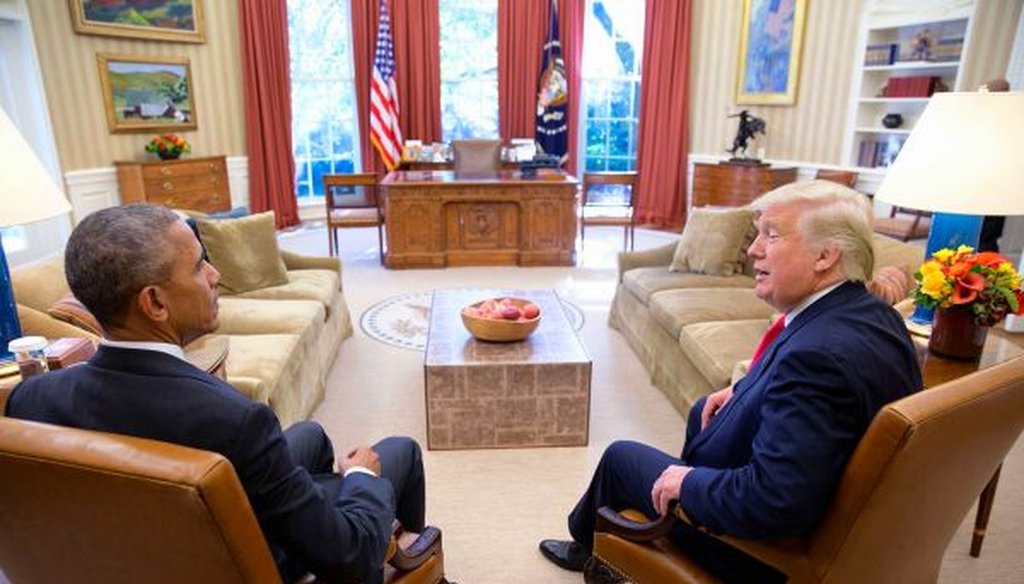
x,y
165,171
168,185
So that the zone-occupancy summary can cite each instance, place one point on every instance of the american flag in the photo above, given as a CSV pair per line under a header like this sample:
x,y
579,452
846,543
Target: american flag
x,y
384,131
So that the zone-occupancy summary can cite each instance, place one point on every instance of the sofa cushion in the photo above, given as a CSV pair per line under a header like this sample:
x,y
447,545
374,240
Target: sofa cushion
x,y
890,252
712,241
40,284
642,282
244,251
716,347
319,285
70,310
674,309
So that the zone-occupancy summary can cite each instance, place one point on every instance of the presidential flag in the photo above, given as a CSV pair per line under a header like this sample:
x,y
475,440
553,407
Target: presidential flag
x,y
384,131
552,132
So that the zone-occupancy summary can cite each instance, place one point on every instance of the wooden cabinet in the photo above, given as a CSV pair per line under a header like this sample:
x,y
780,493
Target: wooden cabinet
x,y
438,219
191,183
734,185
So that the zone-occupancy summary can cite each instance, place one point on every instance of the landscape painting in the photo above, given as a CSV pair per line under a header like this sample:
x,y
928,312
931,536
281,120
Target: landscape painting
x,y
143,94
166,20
770,42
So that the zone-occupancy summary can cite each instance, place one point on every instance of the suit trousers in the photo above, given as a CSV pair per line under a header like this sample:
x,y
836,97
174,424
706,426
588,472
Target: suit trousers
x,y
624,479
401,463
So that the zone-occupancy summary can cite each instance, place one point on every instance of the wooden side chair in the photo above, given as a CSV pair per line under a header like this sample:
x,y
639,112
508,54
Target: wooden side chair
x,y
352,201
905,224
93,507
846,178
607,199
907,487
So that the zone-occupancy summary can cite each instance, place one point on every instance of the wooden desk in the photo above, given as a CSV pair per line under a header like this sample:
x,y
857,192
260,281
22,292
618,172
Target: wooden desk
x,y
734,185
443,218
999,346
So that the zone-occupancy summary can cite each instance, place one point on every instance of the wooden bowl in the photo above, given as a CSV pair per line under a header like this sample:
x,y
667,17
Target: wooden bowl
x,y
499,331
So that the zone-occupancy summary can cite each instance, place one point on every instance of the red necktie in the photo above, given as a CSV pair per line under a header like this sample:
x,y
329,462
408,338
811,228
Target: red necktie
x,y
768,338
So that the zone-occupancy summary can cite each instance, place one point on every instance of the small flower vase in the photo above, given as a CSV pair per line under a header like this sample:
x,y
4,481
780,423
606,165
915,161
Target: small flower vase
x,y
168,155
955,335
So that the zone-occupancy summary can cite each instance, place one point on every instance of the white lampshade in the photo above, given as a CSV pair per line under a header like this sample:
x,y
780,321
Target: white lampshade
x,y
27,192
963,156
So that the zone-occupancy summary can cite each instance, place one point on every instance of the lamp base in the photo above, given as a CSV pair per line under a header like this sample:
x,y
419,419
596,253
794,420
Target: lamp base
x,y
948,230
10,328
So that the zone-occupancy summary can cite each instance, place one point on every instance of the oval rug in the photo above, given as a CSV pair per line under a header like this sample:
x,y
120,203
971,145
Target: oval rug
x,y
401,321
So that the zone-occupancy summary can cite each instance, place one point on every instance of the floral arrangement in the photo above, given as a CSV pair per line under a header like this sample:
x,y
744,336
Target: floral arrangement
x,y
168,146
985,283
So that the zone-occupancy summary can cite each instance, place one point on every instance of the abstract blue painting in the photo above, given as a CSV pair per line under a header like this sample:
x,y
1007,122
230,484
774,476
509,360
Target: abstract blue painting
x,y
770,51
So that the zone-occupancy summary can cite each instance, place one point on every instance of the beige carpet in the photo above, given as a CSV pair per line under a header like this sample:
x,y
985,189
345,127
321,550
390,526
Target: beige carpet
x,y
495,505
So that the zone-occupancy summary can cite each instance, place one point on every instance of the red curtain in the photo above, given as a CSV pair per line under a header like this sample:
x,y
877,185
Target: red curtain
x,y
415,28
522,30
268,110
664,117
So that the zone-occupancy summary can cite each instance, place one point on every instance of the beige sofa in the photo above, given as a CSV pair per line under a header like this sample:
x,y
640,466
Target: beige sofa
x,y
282,340
692,331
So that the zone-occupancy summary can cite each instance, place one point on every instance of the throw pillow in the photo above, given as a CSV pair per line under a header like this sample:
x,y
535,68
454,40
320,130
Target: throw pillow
x,y
244,251
712,241
890,283
70,310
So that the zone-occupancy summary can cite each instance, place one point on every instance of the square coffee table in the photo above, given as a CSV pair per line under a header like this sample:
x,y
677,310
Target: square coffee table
x,y
535,392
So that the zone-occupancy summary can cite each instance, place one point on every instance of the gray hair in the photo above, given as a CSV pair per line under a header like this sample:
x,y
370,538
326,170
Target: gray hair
x,y
834,215
114,253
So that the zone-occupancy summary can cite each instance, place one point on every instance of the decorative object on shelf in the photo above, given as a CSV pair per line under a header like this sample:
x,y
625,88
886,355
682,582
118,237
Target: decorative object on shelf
x,y
749,126
142,94
162,20
892,121
28,194
168,146
970,292
961,162
919,47
770,43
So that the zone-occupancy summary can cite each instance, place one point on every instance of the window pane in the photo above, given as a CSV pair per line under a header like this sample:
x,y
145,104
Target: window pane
x,y
324,128
612,49
469,68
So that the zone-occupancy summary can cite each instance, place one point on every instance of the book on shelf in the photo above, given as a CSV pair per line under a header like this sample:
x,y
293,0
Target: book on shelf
x,y
947,50
912,86
884,54
877,153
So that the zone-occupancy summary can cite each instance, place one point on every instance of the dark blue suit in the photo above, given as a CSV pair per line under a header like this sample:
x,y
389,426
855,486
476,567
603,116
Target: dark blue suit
x,y
768,463
337,528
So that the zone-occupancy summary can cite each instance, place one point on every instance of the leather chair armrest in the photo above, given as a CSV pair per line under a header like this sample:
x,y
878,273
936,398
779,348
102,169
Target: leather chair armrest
x,y
783,554
628,525
656,256
294,261
414,549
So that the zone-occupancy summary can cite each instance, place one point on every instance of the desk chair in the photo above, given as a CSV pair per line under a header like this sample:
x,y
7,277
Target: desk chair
x,y
352,201
607,199
904,224
905,490
847,178
92,507
476,156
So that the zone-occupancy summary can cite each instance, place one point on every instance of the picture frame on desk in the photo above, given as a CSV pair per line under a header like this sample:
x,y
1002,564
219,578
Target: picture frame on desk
x,y
161,20
143,94
770,46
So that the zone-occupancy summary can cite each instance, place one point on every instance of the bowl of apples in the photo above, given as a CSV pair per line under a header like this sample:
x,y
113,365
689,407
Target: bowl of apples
x,y
501,320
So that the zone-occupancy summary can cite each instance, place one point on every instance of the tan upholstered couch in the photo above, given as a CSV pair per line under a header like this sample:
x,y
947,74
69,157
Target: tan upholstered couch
x,y
692,330
282,340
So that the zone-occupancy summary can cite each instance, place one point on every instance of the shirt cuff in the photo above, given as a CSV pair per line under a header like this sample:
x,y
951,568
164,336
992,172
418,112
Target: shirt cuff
x,y
360,469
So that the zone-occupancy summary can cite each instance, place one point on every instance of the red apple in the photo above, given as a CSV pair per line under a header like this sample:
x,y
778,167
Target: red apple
x,y
511,313
531,311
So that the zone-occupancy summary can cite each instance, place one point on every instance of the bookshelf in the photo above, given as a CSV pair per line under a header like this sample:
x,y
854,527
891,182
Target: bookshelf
x,y
904,54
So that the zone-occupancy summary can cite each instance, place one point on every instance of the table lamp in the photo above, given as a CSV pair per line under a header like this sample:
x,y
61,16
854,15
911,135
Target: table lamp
x,y
27,194
961,161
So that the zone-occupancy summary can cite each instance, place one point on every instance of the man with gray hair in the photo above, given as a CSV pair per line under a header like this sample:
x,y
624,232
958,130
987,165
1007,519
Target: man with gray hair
x,y
762,458
141,271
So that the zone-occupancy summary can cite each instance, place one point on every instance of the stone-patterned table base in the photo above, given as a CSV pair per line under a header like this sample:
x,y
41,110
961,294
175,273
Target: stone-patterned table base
x,y
505,395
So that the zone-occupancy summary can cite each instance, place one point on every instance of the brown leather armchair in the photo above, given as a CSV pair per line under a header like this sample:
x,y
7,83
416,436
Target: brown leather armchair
x,y
476,156
91,507
907,487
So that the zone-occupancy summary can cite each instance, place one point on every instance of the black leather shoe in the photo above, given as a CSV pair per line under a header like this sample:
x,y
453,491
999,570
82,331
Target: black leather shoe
x,y
567,555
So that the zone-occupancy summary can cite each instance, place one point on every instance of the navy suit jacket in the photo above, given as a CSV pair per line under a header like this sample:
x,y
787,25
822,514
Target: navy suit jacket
x,y
340,537
767,465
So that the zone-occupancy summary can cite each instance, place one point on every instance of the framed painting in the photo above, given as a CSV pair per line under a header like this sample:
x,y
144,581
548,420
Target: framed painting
x,y
143,94
770,43
162,20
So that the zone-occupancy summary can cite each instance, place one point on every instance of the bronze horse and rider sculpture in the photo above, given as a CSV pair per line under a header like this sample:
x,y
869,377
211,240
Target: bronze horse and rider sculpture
x,y
749,126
